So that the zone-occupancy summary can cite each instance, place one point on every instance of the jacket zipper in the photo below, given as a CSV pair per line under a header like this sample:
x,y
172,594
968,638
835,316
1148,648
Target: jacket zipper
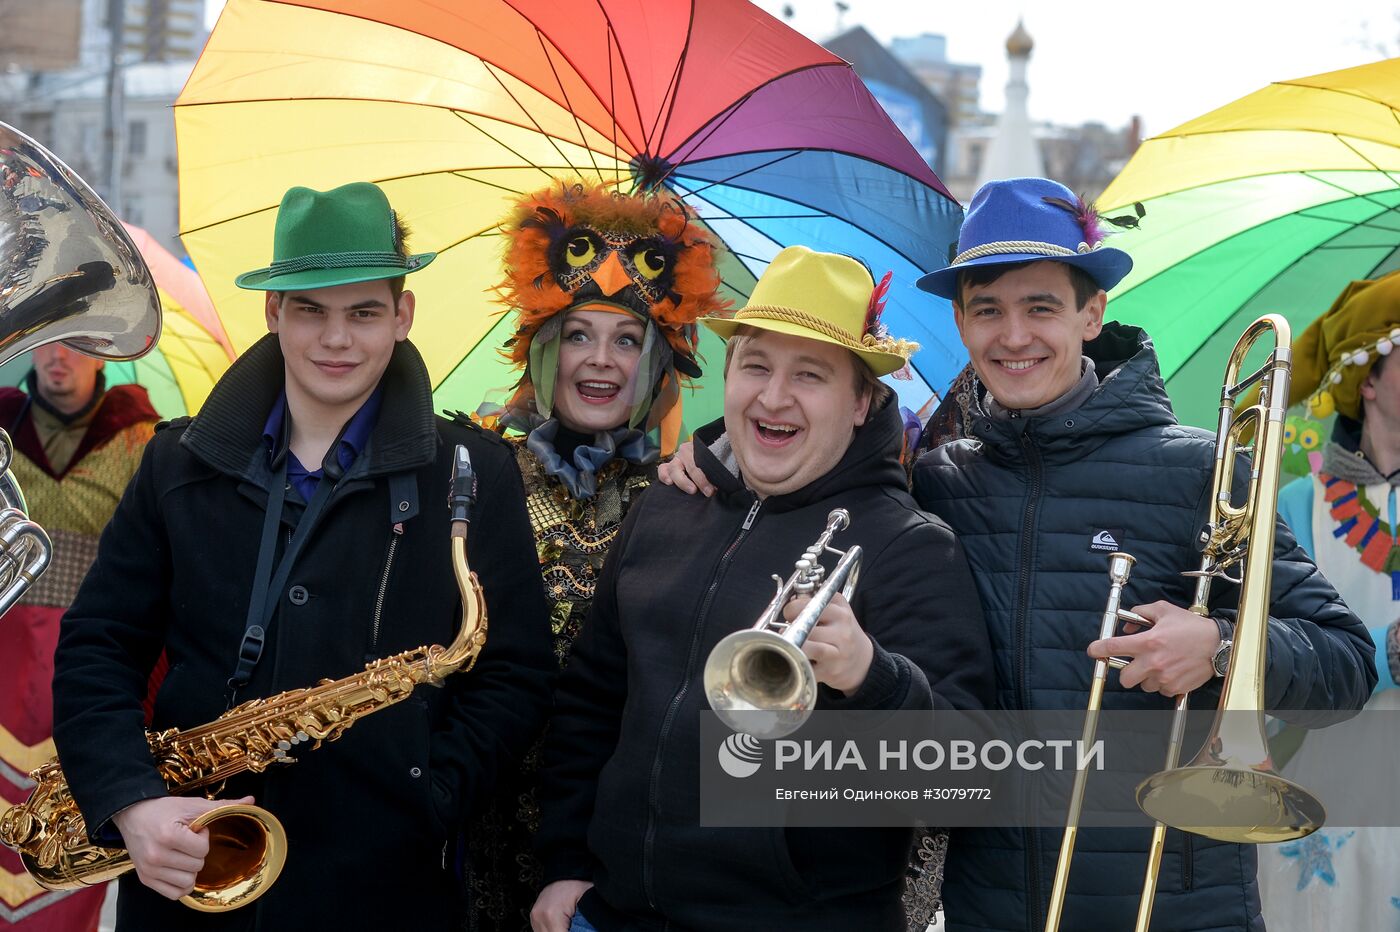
x,y
654,790
1188,857
1023,686
383,589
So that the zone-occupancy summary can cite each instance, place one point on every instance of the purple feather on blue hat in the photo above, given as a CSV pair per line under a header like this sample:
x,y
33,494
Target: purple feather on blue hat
x,y
1031,220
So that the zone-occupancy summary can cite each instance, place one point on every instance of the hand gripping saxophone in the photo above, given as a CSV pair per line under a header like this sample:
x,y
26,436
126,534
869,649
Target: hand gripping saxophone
x,y
247,845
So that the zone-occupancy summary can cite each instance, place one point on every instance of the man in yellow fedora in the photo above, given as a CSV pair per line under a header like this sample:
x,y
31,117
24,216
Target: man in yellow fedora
x,y
807,427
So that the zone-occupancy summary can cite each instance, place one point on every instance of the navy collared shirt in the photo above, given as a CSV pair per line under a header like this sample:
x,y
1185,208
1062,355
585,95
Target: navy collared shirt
x,y
352,440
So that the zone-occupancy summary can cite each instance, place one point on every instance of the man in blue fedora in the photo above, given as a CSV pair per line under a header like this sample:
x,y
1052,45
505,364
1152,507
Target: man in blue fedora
x,y
295,529
1072,451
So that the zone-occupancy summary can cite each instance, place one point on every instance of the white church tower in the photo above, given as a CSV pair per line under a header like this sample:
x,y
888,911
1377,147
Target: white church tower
x,y
1013,152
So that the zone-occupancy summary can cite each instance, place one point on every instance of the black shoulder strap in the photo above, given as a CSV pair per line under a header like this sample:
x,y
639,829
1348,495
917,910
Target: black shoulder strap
x,y
267,586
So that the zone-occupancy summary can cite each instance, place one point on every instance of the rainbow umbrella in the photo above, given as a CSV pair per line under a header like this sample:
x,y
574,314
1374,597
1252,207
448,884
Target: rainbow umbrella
x,y
193,350
457,109
1272,203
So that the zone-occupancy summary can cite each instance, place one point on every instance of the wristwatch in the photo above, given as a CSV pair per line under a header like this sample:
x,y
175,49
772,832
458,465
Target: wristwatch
x,y
1220,660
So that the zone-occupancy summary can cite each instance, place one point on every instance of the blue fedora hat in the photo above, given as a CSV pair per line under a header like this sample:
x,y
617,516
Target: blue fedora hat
x,y
1018,220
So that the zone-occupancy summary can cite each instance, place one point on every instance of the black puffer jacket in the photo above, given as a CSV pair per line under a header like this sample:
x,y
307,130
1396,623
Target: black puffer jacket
x,y
1026,497
371,819
620,786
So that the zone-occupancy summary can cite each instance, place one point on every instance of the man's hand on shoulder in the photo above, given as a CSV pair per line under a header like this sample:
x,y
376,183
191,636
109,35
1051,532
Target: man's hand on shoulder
x,y
839,648
166,852
682,472
555,906
1172,657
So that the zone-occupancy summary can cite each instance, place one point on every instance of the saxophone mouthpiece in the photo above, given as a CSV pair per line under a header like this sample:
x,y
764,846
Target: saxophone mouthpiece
x,y
463,486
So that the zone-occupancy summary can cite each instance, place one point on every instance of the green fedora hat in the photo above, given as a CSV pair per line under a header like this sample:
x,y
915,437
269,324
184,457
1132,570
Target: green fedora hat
x,y
327,238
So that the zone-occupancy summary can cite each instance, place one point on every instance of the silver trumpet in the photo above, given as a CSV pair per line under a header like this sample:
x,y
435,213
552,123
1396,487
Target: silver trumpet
x,y
68,272
758,680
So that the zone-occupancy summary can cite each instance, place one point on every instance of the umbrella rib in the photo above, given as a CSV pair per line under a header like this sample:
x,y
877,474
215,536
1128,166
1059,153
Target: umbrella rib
x,y
729,215
466,354
627,73
1375,268
1236,235
1338,90
737,290
1368,197
490,184
612,108
1221,132
465,119
875,236
715,126
820,212
673,87
485,231
458,172
746,171
583,139
567,102
1254,294
583,143
1364,158
742,99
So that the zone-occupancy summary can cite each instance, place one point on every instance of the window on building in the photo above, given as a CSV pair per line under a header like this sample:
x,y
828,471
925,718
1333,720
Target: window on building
x,y
974,159
136,139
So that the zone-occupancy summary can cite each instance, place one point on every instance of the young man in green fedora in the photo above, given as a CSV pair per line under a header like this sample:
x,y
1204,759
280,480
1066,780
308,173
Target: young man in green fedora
x,y
294,530
810,428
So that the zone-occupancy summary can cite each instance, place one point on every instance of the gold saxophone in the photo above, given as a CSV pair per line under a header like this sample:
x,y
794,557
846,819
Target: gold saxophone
x,y
247,845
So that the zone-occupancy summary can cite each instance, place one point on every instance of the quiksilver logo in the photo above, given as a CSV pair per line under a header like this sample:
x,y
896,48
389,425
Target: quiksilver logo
x,y
1106,540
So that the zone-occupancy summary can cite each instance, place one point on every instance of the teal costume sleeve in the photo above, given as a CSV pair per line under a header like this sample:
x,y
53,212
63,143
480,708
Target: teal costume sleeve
x,y
1295,505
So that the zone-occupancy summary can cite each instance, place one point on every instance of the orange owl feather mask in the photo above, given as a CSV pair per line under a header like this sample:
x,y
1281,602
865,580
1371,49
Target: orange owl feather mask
x,y
578,246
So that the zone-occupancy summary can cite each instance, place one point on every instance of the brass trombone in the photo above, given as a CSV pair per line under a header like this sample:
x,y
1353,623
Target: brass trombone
x,y
1230,790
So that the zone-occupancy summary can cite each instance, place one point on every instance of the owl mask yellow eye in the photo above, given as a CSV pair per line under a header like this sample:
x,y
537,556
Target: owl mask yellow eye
x,y
580,251
649,261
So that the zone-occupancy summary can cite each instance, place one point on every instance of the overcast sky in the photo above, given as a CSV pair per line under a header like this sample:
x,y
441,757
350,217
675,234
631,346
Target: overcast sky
x,y
1110,59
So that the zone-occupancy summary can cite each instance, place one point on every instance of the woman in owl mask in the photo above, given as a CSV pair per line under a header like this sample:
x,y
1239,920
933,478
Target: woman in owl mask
x,y
606,289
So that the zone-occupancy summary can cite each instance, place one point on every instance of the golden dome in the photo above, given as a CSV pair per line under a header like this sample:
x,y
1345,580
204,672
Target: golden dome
x,y
1019,43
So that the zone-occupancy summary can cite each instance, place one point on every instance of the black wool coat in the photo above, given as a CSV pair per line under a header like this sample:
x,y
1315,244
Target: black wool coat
x,y
620,784
1027,497
372,819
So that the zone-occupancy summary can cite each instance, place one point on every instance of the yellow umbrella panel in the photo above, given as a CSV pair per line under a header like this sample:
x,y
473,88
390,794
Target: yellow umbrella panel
x,y
1272,203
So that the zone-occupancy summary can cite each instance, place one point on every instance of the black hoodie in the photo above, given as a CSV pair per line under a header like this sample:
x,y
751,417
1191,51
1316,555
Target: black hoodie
x,y
620,787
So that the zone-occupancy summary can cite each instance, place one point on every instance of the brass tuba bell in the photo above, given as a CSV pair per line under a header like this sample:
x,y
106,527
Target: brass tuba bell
x,y
68,273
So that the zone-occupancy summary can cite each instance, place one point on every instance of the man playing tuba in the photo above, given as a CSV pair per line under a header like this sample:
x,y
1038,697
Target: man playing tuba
x,y
807,428
295,529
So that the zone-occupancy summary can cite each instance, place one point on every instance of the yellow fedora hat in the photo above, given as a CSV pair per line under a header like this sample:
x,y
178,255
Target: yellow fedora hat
x,y
821,296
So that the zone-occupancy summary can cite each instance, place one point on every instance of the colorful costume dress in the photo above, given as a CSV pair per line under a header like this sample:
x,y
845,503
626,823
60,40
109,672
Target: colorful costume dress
x,y
72,471
572,537
576,247
1341,877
